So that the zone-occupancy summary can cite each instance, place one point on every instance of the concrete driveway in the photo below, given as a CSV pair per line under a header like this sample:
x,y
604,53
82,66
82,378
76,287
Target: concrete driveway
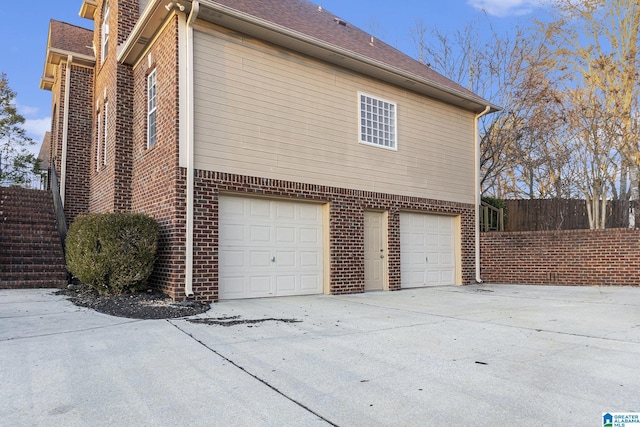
x,y
472,356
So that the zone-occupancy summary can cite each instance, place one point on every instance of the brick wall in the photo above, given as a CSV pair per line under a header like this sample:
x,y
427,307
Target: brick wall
x,y
111,183
79,125
346,227
156,188
80,121
572,257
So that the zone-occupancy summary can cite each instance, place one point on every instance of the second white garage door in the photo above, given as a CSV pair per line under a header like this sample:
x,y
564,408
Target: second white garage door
x,y
269,248
427,250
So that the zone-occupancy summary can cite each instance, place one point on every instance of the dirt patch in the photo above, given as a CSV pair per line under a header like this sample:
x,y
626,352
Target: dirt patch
x,y
236,320
150,304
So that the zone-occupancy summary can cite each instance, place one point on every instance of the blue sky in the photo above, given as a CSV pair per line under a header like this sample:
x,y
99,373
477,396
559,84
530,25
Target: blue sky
x,y
23,34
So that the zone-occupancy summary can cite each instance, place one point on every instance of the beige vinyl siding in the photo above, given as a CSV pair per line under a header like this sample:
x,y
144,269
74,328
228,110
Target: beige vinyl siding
x,y
264,111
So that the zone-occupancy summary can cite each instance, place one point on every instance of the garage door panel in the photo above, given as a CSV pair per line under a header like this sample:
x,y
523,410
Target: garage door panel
x,y
235,233
310,259
260,234
311,236
433,278
286,235
234,286
260,285
286,211
259,259
286,259
310,214
276,246
285,284
427,247
233,258
310,283
232,207
257,208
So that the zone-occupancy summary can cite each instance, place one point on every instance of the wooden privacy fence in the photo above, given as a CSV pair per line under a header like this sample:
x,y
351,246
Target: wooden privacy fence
x,y
562,214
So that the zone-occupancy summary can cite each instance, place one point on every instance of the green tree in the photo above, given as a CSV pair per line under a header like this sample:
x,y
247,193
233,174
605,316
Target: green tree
x,y
17,165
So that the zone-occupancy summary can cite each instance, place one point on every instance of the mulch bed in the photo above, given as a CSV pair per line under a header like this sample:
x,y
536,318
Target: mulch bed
x,y
150,304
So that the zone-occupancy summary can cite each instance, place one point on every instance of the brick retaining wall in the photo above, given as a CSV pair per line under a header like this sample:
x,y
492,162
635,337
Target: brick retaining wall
x,y
572,257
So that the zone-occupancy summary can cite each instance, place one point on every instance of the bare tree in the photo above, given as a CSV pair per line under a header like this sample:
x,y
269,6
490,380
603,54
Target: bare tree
x,y
520,151
596,43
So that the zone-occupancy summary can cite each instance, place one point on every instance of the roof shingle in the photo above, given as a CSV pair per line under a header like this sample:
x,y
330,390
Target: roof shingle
x,y
70,38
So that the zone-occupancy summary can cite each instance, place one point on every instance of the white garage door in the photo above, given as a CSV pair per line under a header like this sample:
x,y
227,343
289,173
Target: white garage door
x,y
427,250
269,248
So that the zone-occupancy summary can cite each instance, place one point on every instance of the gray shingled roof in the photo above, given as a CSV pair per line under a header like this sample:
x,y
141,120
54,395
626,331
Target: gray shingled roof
x,y
309,19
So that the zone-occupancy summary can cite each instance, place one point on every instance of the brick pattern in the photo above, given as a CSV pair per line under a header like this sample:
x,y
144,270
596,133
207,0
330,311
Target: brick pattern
x,y
346,227
79,125
30,250
80,118
110,185
572,257
155,174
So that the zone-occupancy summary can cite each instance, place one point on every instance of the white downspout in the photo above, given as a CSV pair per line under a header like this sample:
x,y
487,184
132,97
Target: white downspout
x,y
477,189
65,130
189,107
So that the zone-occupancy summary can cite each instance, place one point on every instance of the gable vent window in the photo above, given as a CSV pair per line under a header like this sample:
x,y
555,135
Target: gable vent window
x,y
377,122
151,109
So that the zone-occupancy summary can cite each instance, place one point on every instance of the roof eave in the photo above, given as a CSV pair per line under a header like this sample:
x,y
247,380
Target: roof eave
x,y
88,9
154,14
277,34
54,57
145,29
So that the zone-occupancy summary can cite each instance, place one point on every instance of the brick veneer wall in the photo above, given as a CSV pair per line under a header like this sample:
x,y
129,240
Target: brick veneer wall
x,y
111,183
346,227
76,199
79,125
572,257
157,188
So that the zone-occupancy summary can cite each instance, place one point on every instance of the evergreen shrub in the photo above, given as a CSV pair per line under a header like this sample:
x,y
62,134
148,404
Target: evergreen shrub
x,y
112,252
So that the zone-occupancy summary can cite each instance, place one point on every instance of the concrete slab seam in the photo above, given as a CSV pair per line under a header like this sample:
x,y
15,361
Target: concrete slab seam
x,y
306,408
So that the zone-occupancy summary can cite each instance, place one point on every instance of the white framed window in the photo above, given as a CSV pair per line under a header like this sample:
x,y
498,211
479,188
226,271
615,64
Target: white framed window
x,y
152,94
104,133
99,141
105,34
378,122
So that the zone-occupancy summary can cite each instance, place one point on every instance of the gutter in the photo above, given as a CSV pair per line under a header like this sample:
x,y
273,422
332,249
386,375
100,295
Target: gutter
x,y
190,143
65,130
477,188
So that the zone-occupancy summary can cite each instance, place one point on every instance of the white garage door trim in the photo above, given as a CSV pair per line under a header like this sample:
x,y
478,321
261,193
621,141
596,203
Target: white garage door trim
x,y
428,250
269,248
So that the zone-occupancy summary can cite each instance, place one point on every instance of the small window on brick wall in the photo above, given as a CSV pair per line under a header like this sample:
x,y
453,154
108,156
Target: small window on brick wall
x,y
104,48
101,136
98,141
105,133
377,122
151,109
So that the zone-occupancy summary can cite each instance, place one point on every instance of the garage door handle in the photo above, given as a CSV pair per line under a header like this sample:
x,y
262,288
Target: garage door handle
x,y
427,259
273,259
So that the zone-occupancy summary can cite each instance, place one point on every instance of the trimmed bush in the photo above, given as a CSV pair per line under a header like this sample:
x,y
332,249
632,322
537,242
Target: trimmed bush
x,y
113,252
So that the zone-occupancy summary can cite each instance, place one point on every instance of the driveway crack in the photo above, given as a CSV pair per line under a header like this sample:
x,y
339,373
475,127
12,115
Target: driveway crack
x,y
254,376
